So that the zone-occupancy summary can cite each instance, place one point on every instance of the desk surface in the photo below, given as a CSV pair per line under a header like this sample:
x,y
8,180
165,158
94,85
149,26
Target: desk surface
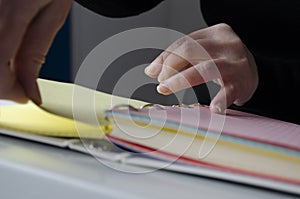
x,y
33,170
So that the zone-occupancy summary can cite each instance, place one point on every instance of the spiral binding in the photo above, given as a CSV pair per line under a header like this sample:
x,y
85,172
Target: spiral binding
x,y
188,105
157,106
125,106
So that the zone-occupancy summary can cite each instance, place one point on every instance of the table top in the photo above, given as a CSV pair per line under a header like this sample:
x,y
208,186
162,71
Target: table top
x,y
33,170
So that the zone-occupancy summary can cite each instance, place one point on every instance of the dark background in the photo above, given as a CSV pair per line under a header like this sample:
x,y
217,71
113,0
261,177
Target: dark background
x,y
58,60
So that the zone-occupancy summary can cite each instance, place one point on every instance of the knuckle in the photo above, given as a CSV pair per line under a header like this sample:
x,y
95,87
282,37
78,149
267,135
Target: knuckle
x,y
37,60
223,33
237,44
190,50
223,27
220,28
31,60
187,48
232,47
176,44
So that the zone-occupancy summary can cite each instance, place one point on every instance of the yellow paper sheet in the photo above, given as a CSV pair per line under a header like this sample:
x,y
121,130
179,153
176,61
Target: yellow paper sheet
x,y
56,115
79,103
31,119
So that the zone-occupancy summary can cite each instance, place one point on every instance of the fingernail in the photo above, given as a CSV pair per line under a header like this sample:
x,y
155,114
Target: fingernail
x,y
161,78
147,70
163,89
152,70
217,109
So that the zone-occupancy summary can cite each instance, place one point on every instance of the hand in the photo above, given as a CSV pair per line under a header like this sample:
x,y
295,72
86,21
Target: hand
x,y
212,54
27,29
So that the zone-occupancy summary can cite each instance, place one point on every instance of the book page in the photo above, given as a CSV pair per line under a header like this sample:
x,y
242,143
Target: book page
x,y
235,123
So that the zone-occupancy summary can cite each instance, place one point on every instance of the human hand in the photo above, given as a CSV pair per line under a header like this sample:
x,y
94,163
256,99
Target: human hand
x,y
27,29
212,54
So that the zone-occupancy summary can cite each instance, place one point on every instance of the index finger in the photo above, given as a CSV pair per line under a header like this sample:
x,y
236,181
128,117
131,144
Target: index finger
x,y
203,72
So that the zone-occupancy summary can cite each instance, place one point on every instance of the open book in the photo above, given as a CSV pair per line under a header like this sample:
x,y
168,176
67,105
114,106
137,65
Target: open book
x,y
238,146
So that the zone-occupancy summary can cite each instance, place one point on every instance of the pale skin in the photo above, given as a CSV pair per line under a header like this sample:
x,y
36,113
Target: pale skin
x,y
214,54
27,30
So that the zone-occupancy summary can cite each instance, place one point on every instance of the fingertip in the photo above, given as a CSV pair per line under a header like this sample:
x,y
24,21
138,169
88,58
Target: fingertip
x,y
217,108
23,100
34,94
161,77
29,84
163,89
238,103
31,90
153,70
37,100
148,72
18,99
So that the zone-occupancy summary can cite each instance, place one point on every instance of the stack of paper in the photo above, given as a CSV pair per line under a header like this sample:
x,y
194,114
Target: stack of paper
x,y
238,142
238,146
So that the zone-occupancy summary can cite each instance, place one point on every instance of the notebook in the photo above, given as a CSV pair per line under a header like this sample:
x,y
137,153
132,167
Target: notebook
x,y
238,147
184,134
